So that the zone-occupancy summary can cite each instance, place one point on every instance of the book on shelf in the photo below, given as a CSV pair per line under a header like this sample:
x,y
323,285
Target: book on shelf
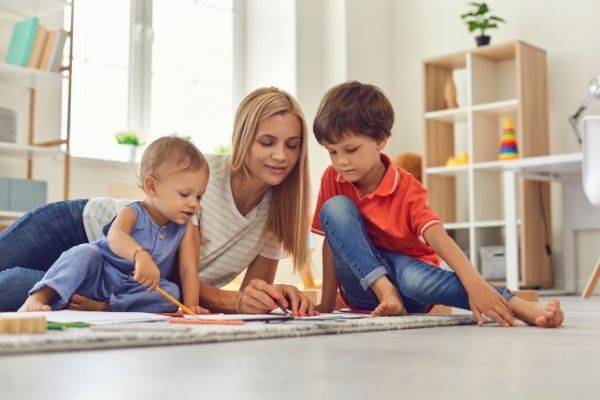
x,y
38,47
21,42
45,59
56,53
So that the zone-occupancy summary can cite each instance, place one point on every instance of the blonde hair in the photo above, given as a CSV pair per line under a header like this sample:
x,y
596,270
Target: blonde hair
x,y
180,153
288,218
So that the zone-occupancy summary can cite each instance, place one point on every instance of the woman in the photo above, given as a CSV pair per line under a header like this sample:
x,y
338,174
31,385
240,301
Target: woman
x,y
255,205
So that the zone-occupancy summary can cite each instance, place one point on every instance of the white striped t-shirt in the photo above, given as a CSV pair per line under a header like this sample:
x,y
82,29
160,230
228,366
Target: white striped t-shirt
x,y
230,241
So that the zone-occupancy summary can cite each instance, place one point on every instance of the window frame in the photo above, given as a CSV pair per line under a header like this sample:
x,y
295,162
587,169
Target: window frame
x,y
140,64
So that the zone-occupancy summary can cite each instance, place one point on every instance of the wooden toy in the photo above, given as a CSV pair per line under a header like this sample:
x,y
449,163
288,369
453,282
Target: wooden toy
x,y
22,323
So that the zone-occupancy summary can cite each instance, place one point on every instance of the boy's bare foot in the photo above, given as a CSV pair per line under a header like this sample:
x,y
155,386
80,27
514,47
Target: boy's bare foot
x,y
82,303
389,307
390,302
38,301
545,315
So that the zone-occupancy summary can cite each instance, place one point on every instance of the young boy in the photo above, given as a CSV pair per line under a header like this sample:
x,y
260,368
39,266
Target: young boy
x,y
383,242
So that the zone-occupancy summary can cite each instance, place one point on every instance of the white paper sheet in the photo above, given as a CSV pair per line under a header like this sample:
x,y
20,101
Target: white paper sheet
x,y
96,317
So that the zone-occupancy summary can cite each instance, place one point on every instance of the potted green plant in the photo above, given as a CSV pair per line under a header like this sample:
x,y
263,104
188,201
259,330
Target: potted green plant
x,y
131,140
481,19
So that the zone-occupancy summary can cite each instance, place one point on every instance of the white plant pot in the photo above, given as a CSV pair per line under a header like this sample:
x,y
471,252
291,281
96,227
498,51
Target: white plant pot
x,y
130,152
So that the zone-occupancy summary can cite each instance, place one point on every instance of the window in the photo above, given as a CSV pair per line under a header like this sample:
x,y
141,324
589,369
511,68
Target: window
x,y
156,67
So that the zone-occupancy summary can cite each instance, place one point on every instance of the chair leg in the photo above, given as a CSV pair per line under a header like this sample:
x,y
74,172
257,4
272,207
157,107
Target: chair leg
x,y
591,284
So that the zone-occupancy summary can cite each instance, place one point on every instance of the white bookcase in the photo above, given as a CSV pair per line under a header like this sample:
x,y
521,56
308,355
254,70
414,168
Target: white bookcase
x,y
32,86
492,82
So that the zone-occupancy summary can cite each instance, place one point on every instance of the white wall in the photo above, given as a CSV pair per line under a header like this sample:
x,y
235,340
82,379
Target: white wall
x,y
269,42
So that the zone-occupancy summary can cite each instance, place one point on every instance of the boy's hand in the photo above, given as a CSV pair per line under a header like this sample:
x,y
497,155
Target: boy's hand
x,y
484,299
146,272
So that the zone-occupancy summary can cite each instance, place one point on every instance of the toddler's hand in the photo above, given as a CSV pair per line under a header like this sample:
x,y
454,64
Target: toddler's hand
x,y
197,310
146,273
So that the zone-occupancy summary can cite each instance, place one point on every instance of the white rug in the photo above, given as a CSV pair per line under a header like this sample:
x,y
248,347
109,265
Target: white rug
x,y
88,339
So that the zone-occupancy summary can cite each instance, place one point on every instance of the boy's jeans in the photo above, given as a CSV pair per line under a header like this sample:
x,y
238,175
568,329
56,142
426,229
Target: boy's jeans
x,y
359,264
33,243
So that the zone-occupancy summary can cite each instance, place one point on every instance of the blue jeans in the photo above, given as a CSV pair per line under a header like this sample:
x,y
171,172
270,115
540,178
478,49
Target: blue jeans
x,y
359,264
31,245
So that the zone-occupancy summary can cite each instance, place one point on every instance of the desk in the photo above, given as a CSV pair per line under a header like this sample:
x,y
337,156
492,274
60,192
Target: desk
x,y
578,213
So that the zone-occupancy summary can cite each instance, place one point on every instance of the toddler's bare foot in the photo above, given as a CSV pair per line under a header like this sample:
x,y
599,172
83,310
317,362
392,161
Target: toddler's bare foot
x,y
82,303
545,315
390,306
34,304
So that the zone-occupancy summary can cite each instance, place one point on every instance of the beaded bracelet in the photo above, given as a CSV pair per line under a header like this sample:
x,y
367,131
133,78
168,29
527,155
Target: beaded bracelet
x,y
137,249
238,301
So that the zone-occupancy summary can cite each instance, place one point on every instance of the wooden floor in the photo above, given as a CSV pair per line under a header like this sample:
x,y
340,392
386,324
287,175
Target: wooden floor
x,y
464,362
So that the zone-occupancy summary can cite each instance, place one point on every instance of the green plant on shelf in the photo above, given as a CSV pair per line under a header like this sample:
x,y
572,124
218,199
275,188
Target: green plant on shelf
x,y
480,18
128,137
223,149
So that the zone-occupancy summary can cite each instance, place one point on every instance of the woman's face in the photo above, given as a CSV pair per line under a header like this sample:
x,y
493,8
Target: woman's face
x,y
276,148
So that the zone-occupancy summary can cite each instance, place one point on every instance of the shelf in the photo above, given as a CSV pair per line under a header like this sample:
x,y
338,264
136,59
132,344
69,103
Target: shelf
x,y
15,75
11,214
449,61
497,107
489,224
561,165
489,165
454,226
451,171
31,8
451,115
502,80
27,150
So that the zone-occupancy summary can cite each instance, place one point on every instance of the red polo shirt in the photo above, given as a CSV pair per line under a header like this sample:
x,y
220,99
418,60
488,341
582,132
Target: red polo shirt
x,y
396,213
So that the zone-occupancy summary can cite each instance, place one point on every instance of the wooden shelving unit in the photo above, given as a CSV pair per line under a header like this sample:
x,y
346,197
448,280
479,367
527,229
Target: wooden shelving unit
x,y
31,80
502,80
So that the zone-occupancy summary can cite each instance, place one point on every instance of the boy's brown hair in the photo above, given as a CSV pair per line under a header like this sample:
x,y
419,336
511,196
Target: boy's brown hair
x,y
353,107
180,153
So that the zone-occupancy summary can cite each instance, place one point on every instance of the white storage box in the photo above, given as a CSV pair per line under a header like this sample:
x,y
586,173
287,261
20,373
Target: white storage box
x,y
493,262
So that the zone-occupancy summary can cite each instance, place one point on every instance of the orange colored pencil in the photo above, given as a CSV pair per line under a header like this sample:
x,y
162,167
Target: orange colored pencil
x,y
174,301
205,321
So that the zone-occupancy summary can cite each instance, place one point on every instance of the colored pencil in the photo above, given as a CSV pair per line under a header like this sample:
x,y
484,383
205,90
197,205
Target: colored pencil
x,y
174,301
283,310
58,326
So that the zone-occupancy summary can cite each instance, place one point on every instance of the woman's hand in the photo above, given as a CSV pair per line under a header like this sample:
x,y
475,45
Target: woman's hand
x,y
300,304
484,299
259,297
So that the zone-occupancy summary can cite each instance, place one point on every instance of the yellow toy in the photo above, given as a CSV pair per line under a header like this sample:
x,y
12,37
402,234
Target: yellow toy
x,y
461,159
